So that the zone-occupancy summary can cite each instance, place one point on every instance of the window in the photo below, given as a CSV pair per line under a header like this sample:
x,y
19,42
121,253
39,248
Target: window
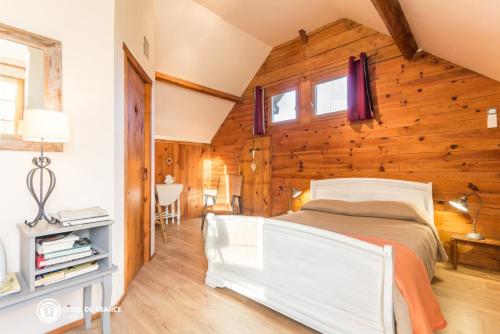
x,y
284,106
11,104
330,96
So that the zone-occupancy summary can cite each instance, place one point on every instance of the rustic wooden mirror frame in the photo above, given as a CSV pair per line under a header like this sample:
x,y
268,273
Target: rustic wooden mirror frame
x,y
52,83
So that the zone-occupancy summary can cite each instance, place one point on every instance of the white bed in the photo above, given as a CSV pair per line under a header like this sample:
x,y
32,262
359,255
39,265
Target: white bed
x,y
327,281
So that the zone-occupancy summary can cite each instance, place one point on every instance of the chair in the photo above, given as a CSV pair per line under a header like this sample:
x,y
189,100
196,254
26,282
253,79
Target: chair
x,y
225,200
167,196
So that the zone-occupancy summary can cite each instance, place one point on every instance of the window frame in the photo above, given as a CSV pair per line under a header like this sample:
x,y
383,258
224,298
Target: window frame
x,y
19,100
319,79
280,89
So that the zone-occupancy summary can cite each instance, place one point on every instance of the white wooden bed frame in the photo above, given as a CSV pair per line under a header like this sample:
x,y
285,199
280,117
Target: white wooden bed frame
x,y
327,281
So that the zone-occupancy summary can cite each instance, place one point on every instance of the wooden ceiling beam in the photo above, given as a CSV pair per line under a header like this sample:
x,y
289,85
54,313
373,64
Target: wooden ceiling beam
x,y
196,87
395,20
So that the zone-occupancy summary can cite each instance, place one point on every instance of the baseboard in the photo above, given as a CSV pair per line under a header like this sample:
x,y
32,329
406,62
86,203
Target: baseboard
x,y
120,300
78,323
73,325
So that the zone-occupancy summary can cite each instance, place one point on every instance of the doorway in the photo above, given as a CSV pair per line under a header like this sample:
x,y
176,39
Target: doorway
x,y
137,109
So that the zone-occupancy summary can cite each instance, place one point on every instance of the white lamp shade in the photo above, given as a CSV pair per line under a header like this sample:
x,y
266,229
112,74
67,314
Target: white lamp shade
x,y
50,125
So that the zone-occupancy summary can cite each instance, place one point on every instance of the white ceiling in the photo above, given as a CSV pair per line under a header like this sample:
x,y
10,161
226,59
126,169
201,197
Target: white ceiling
x,y
185,115
277,21
271,21
195,44
465,32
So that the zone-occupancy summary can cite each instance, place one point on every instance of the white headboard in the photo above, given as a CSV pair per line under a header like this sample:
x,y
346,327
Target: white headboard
x,y
372,189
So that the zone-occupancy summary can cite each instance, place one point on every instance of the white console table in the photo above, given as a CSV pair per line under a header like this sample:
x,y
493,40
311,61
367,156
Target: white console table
x,y
100,235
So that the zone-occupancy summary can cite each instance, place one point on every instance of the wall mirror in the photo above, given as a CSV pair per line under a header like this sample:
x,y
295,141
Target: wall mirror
x,y
30,78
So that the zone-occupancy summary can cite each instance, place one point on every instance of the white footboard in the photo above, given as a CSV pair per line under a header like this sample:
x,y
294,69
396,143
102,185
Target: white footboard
x,y
330,282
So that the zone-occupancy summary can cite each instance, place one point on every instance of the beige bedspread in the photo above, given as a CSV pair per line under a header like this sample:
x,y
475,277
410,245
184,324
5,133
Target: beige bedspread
x,y
417,236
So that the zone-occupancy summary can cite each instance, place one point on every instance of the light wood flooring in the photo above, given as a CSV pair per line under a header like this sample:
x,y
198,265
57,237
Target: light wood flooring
x,y
169,296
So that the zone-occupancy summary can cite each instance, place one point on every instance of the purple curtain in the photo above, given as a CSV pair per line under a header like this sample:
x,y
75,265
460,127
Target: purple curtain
x,y
359,99
258,119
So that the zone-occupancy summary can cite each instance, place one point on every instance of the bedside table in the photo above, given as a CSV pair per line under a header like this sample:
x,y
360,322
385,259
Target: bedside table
x,y
460,238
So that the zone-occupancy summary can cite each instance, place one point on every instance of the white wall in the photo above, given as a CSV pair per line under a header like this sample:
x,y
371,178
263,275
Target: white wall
x,y
90,170
197,45
85,170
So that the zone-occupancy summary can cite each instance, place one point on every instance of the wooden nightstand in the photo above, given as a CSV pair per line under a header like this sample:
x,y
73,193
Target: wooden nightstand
x,y
460,238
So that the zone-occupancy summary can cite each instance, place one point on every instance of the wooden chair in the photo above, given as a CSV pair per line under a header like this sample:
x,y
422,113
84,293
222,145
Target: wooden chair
x,y
167,198
227,198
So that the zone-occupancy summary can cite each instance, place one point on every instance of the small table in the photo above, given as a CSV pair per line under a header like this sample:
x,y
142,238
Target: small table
x,y
460,238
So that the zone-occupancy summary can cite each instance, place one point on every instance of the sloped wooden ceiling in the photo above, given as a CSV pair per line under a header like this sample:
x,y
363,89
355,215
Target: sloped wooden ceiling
x,y
430,126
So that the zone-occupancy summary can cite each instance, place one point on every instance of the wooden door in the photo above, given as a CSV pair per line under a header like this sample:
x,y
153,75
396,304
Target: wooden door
x,y
256,185
137,166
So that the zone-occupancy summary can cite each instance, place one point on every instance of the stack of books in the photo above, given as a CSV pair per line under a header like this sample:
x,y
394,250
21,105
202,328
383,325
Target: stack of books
x,y
60,248
61,275
81,216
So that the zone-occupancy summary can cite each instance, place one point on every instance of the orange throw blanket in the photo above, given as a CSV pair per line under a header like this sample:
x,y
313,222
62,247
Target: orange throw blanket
x,y
412,280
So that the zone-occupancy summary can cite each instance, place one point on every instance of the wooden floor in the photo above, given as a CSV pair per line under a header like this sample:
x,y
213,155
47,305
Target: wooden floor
x,y
169,296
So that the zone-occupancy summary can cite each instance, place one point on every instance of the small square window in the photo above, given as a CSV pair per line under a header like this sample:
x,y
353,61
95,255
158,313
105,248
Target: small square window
x,y
284,106
330,96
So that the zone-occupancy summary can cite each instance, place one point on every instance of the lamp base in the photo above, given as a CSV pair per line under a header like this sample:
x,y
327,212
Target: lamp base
x,y
474,236
41,165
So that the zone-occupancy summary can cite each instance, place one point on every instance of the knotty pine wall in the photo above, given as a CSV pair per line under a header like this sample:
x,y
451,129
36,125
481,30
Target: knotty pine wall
x,y
190,166
430,127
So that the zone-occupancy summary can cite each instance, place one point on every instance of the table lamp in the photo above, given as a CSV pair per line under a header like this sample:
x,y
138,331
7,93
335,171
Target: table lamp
x,y
293,194
44,126
462,205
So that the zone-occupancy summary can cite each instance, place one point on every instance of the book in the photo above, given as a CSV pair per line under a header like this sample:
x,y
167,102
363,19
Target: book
x,y
73,215
77,248
67,273
41,262
55,242
85,221
49,278
53,248
80,269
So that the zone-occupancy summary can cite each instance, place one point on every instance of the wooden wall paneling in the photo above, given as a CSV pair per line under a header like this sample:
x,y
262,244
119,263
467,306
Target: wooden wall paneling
x,y
430,126
256,197
190,166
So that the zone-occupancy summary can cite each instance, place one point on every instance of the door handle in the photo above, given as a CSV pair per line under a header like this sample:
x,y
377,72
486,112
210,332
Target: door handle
x,y
145,174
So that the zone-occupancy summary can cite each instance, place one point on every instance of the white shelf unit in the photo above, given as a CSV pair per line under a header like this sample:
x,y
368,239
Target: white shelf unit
x,y
98,233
